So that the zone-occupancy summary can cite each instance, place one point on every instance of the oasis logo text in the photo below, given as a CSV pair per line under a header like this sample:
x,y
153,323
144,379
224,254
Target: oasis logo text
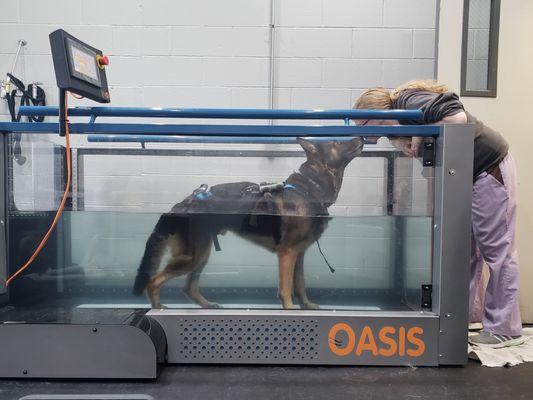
x,y
389,341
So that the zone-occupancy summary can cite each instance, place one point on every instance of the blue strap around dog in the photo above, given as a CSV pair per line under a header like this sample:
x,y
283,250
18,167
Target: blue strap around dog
x,y
295,189
203,196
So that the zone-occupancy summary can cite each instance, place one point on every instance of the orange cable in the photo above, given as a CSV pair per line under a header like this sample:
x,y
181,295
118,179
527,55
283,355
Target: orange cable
x,y
61,205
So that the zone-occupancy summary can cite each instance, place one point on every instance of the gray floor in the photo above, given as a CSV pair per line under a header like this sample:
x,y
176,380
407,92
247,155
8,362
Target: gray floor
x,y
235,382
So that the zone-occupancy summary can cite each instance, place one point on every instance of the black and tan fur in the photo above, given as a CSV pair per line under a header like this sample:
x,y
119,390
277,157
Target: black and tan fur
x,y
285,222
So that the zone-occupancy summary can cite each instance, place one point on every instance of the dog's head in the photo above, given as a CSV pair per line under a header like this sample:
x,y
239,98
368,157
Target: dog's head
x,y
332,154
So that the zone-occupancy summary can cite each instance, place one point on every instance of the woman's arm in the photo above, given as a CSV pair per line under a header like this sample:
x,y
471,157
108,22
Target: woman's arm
x,y
410,147
459,118
437,109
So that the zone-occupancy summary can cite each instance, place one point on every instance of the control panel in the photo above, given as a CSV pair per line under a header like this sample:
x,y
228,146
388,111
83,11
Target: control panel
x,y
79,68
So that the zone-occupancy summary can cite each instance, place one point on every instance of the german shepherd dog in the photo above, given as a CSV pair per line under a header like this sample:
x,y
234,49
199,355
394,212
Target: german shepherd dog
x,y
285,220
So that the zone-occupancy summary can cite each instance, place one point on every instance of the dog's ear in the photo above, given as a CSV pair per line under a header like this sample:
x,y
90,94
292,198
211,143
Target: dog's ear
x,y
308,146
358,143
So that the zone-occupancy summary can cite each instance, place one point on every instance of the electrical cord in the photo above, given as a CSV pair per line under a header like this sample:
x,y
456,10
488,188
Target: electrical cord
x,y
60,208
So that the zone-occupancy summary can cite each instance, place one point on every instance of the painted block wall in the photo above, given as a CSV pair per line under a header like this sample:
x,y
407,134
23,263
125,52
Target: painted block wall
x,y
208,53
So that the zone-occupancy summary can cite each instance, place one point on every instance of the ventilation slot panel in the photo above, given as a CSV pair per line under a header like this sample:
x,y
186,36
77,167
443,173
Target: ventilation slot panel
x,y
267,340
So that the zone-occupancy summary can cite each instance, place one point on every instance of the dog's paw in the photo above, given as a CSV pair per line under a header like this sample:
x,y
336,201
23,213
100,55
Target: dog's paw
x,y
289,306
310,306
212,305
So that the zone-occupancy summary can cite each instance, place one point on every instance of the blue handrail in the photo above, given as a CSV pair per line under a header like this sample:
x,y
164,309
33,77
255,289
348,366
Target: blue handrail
x,y
143,112
224,129
114,138
110,138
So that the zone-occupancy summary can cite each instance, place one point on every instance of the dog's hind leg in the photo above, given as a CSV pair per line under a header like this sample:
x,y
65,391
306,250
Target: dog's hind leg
x,y
287,260
153,253
154,285
192,290
178,265
299,285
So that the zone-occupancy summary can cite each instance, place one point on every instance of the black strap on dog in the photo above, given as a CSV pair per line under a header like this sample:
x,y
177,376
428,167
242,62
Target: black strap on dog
x,y
324,257
215,242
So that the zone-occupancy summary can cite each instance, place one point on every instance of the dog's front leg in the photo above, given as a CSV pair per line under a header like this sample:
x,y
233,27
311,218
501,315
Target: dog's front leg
x,y
287,260
299,285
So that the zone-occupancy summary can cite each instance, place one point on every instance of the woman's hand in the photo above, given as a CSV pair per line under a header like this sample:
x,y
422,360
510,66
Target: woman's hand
x,y
414,146
408,146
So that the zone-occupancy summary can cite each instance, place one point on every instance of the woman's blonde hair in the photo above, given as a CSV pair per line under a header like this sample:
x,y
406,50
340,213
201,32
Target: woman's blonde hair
x,y
382,99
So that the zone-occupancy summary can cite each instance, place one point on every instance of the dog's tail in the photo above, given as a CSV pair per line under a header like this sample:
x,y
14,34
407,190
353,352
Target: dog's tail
x,y
154,251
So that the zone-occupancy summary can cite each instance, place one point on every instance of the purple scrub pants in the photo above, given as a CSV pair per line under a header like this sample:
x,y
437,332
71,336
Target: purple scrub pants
x,y
493,242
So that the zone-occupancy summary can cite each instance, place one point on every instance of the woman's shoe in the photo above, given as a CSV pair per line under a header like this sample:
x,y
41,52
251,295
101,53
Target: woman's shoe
x,y
487,339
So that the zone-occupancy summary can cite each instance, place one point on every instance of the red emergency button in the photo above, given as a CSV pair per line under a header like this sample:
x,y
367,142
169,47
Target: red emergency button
x,y
102,61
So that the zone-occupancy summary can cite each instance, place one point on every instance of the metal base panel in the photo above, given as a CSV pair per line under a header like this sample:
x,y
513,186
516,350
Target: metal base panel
x,y
300,337
129,350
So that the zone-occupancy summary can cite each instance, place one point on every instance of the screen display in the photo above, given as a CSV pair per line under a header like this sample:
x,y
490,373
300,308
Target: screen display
x,y
84,63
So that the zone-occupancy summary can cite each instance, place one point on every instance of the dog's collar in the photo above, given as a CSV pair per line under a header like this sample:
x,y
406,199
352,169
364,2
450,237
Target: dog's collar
x,y
313,183
300,191
303,193
311,180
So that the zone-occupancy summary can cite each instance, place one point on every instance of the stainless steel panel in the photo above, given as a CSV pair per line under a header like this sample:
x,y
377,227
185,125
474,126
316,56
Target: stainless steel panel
x,y
76,351
287,337
451,249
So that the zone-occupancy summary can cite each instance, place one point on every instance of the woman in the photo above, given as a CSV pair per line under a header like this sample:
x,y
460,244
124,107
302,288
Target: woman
x,y
493,203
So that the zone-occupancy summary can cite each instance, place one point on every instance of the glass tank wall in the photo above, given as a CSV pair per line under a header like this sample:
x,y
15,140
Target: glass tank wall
x,y
377,237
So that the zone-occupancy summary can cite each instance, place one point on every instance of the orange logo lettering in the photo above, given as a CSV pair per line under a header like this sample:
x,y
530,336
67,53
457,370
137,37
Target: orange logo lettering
x,y
393,347
332,339
390,341
366,342
419,343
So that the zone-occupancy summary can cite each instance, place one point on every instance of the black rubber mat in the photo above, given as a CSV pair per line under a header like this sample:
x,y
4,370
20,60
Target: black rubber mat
x,y
87,397
269,382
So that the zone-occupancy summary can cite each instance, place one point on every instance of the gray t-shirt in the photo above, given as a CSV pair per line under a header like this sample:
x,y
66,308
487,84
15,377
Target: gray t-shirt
x,y
490,148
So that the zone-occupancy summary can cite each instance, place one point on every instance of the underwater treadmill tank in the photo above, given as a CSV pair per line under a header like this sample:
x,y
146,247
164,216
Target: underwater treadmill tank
x,y
378,237
178,242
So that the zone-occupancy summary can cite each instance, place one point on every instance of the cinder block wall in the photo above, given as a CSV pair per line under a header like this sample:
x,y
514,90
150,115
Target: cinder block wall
x,y
211,53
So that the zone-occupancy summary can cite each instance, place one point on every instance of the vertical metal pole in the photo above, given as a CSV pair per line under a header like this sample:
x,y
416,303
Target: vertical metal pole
x,y
272,54
62,112
21,44
436,42
451,246
74,188
396,262
3,215
80,178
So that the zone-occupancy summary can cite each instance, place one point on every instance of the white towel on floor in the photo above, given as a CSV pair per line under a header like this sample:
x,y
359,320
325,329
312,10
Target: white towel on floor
x,y
508,356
